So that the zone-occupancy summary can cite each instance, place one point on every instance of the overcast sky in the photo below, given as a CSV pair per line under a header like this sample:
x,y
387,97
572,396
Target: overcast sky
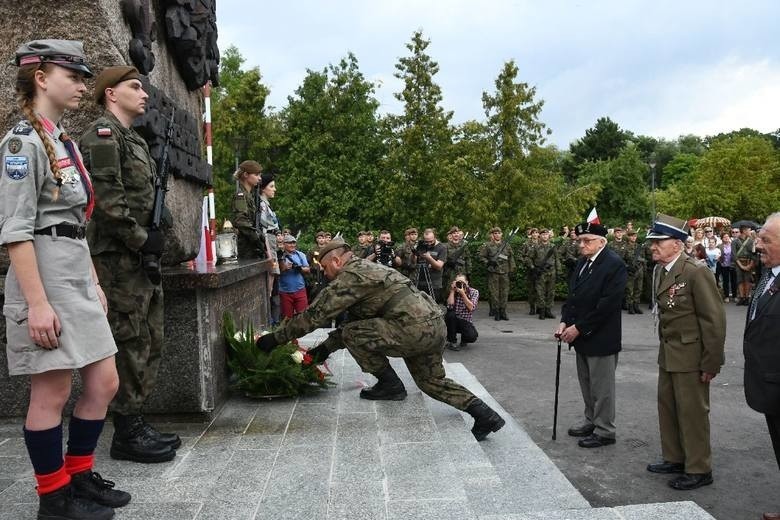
x,y
659,68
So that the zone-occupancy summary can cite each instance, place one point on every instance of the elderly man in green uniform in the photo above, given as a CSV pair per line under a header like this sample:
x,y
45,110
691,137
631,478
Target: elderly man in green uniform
x,y
692,330
497,255
387,316
457,260
119,236
635,263
543,264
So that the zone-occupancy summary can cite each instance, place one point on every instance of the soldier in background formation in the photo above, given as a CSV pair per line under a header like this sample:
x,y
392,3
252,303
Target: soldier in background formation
x,y
635,264
315,280
497,255
542,262
458,261
405,258
530,288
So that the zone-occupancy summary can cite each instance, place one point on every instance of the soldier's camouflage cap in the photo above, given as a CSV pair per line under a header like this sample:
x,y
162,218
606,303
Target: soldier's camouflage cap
x,y
333,245
65,53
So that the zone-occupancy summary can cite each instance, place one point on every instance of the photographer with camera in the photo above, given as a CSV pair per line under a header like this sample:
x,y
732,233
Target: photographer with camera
x,y
404,257
461,303
384,251
431,256
292,286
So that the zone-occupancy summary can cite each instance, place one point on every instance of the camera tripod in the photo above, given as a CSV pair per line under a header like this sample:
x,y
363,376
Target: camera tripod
x,y
424,268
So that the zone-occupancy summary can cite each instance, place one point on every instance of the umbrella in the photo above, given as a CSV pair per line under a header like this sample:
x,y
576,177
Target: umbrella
x,y
713,222
746,223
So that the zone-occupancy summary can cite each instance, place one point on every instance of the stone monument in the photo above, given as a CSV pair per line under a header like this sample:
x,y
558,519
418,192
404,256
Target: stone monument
x,y
172,42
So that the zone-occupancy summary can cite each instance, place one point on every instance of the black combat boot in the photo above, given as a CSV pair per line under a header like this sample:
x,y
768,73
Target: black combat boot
x,y
63,504
637,310
171,439
532,310
92,486
503,315
486,420
548,313
131,442
497,315
631,309
389,387
492,312
541,313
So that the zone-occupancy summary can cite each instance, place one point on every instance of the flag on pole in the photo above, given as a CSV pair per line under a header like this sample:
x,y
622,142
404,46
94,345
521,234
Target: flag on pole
x,y
593,217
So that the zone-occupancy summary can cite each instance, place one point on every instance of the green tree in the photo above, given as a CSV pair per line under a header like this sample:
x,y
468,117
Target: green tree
x,y
242,127
680,168
331,169
419,143
623,193
602,142
736,178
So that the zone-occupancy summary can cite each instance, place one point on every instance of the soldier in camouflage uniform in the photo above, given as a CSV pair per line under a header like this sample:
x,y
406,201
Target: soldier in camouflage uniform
x,y
618,245
569,252
457,260
119,236
404,255
542,262
635,263
497,255
530,289
251,241
388,316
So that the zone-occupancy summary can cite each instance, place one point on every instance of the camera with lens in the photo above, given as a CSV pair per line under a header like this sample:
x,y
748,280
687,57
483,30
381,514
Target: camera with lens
x,y
460,285
385,253
422,248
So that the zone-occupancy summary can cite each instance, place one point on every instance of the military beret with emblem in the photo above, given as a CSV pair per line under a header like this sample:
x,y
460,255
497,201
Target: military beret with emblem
x,y
111,77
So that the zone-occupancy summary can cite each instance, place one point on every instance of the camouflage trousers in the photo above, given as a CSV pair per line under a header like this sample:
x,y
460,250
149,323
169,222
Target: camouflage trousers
x,y
135,313
420,345
634,287
498,287
545,290
530,290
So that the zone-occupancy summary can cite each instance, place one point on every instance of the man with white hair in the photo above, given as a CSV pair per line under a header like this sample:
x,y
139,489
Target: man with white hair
x,y
762,328
591,323
692,333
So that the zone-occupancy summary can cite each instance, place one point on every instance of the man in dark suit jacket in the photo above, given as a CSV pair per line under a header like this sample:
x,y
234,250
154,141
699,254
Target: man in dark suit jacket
x,y
692,334
591,323
762,330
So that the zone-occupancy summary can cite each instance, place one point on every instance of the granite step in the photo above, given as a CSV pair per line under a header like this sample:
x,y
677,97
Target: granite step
x,y
334,456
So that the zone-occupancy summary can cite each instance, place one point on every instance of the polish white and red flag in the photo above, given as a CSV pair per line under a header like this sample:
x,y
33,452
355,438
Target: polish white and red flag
x,y
593,217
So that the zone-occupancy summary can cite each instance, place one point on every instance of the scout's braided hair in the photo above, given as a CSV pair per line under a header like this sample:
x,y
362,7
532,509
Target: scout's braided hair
x,y
25,95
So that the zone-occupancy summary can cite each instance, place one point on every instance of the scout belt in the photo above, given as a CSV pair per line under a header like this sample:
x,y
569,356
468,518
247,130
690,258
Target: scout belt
x,y
64,230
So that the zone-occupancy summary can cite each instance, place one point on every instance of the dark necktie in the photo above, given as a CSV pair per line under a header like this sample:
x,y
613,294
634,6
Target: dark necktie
x,y
585,268
759,292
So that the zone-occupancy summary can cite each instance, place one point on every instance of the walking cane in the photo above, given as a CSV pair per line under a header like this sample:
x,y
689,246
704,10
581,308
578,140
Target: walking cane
x,y
557,385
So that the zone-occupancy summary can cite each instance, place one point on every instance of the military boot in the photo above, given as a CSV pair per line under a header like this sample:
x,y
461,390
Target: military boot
x,y
389,387
497,315
171,439
503,315
637,310
548,313
541,313
486,420
63,504
492,312
92,486
631,309
131,442
532,310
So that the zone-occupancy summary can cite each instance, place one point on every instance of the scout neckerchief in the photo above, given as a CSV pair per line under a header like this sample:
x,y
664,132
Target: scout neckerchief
x,y
76,158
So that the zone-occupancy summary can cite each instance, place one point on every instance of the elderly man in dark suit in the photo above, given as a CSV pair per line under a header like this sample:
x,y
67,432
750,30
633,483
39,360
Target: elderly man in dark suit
x,y
591,323
762,330
692,332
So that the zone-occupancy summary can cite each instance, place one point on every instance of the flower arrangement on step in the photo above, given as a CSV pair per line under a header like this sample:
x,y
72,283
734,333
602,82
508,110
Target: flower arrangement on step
x,y
287,370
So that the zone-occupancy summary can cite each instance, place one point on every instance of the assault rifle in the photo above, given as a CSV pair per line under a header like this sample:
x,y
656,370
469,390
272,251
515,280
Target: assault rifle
x,y
151,262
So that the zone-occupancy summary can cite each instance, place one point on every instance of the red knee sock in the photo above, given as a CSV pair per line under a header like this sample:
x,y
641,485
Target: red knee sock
x,y
52,481
78,463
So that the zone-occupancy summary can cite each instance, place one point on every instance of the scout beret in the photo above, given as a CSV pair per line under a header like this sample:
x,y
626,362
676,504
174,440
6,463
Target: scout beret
x,y
589,228
666,226
65,53
111,77
332,245
495,229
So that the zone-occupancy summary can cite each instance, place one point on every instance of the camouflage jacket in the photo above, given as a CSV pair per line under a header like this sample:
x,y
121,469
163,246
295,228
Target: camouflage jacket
x,y
635,257
620,249
367,290
498,257
539,257
569,252
123,176
244,212
408,262
457,258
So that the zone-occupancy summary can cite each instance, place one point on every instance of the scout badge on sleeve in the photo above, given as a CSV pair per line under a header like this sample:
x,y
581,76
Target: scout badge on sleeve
x,y
14,145
16,167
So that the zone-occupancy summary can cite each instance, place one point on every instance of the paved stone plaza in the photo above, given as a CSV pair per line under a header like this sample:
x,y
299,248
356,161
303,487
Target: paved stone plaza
x,y
335,456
